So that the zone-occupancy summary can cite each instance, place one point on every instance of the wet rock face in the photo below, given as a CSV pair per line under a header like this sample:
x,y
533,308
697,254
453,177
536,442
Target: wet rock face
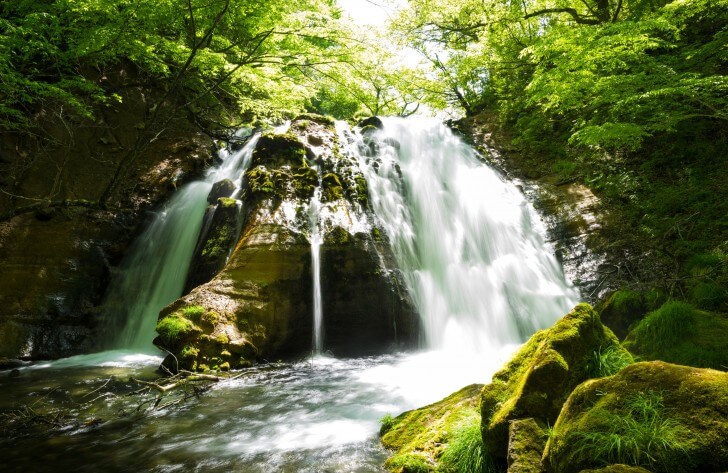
x,y
365,309
262,299
220,232
55,262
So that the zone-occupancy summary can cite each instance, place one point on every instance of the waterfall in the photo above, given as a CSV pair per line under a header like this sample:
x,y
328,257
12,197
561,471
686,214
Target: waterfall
x,y
469,245
154,271
316,240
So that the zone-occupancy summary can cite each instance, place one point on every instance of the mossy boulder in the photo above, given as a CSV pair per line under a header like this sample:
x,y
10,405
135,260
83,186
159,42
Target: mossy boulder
x,y
526,441
538,379
223,188
621,310
664,417
316,118
274,151
677,332
374,122
198,341
421,436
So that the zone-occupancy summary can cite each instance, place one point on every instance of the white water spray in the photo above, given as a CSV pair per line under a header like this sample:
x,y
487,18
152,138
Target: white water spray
x,y
154,271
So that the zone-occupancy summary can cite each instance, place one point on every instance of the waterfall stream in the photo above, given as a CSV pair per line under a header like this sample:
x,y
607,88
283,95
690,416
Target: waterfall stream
x,y
470,247
154,272
471,251
316,241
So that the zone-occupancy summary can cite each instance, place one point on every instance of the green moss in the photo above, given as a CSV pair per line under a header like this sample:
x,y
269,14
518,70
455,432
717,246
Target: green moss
x,y
227,202
304,181
679,333
174,329
362,190
660,416
259,182
189,351
210,318
422,435
332,188
538,379
192,312
224,366
409,463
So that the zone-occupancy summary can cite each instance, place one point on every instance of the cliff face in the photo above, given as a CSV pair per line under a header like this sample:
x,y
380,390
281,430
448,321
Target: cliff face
x,y
71,200
298,188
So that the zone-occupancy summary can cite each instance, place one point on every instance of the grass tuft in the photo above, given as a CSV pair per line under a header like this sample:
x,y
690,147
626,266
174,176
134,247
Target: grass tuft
x,y
642,436
608,361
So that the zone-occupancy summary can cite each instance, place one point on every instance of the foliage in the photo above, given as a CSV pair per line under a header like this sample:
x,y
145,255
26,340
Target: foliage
x,y
218,59
665,326
643,435
679,333
465,452
608,361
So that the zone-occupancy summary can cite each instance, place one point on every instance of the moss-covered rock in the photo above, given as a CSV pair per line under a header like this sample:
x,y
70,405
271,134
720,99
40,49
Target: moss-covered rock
x,y
667,418
332,188
679,333
223,188
421,436
215,242
620,310
538,379
274,151
526,441
374,122
315,117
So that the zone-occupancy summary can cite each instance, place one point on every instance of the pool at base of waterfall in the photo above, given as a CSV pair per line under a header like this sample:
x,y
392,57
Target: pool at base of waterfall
x,y
316,415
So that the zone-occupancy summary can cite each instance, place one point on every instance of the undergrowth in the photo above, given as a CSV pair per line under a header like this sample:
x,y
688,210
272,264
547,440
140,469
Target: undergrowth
x,y
642,436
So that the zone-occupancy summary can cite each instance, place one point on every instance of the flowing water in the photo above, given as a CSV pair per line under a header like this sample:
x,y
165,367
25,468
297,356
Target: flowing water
x,y
472,254
154,272
316,241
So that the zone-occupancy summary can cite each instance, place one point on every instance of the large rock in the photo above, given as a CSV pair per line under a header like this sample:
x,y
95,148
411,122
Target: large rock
x,y
538,379
667,418
262,301
55,262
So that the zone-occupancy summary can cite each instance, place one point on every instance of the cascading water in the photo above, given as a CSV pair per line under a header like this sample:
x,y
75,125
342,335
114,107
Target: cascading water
x,y
154,272
316,240
469,245
471,252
